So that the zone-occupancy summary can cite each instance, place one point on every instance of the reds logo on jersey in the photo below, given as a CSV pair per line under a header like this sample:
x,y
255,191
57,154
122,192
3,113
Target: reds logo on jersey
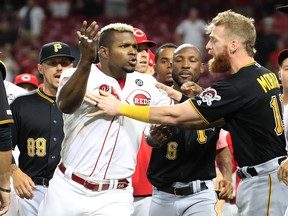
x,y
209,95
109,89
139,97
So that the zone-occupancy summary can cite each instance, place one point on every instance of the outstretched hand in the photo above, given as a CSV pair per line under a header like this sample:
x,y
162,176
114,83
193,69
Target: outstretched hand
x,y
107,103
88,41
172,93
191,89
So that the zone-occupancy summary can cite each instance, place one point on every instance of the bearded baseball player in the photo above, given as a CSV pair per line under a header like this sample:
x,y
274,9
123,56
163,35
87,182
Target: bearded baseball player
x,y
99,153
247,101
5,144
38,130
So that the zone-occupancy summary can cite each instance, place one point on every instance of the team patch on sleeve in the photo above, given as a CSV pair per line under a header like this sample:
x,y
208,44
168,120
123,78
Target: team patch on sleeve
x,y
208,96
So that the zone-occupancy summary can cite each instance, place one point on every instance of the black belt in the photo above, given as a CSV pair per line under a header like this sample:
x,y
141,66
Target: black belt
x,y
41,181
183,191
252,171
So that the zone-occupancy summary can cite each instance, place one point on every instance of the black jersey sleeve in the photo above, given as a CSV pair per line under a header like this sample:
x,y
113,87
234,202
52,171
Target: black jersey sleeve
x,y
217,101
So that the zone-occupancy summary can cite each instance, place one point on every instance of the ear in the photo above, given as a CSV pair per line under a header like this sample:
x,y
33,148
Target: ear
x,y
103,52
232,47
202,66
279,74
39,68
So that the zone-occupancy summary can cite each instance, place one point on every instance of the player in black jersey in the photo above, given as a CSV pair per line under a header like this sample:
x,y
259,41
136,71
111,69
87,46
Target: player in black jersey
x,y
247,102
5,144
188,158
38,130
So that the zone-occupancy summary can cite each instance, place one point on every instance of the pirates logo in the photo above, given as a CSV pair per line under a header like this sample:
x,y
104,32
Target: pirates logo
x,y
139,97
209,95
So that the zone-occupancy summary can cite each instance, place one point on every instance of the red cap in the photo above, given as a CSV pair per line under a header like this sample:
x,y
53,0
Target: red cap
x,y
26,78
282,56
141,37
151,58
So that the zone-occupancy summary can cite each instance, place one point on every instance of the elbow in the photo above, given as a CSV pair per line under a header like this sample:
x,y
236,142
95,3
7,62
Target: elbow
x,y
65,108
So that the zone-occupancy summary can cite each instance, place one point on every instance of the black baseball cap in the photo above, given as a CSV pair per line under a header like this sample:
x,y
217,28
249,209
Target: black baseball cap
x,y
3,69
283,9
282,56
54,49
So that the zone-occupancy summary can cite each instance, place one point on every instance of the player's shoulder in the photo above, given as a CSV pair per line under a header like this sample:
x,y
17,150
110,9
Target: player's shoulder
x,y
25,97
13,91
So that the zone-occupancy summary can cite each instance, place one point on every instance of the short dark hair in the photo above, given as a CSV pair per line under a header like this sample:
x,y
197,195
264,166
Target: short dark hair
x,y
166,45
107,33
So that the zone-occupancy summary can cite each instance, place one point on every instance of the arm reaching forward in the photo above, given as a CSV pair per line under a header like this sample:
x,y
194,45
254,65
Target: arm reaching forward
x,y
183,114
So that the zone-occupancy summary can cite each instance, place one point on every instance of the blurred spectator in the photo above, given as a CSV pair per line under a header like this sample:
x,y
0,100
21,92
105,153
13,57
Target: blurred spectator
x,y
27,81
91,7
191,30
8,31
28,63
59,8
272,63
116,8
266,41
30,18
10,62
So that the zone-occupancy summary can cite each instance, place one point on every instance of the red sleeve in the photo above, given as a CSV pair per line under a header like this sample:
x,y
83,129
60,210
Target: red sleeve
x,y
140,182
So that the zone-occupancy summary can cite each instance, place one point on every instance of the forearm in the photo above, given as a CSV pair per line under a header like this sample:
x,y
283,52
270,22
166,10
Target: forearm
x,y
5,162
223,160
72,93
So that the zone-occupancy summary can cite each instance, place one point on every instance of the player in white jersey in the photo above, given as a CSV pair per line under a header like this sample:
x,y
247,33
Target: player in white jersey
x,y
283,75
12,92
99,153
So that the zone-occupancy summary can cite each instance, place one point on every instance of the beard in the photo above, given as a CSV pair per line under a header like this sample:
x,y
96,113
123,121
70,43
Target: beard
x,y
220,64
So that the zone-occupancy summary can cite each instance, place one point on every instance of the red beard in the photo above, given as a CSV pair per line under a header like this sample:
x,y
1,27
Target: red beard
x,y
220,64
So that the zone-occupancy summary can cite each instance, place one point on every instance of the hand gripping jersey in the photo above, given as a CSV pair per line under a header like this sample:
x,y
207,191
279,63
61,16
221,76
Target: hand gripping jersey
x,y
38,133
249,100
106,147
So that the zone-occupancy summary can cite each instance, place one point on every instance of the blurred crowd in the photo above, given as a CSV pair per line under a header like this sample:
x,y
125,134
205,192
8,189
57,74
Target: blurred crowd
x,y
26,25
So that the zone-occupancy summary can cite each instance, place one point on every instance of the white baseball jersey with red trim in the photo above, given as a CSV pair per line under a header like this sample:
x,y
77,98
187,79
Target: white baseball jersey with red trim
x,y
106,147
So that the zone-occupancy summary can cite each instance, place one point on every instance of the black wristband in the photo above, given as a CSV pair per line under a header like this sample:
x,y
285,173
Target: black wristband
x,y
5,190
183,98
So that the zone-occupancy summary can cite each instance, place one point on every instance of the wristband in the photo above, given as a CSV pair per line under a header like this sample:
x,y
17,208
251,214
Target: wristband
x,y
5,190
140,113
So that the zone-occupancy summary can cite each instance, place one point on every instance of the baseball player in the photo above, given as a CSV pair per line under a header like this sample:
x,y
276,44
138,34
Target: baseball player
x,y
27,81
248,101
38,130
182,169
282,61
142,188
12,92
99,153
163,66
5,144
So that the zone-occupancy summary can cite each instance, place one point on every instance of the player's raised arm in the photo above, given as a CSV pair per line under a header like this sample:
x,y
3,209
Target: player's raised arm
x,y
72,93
183,114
